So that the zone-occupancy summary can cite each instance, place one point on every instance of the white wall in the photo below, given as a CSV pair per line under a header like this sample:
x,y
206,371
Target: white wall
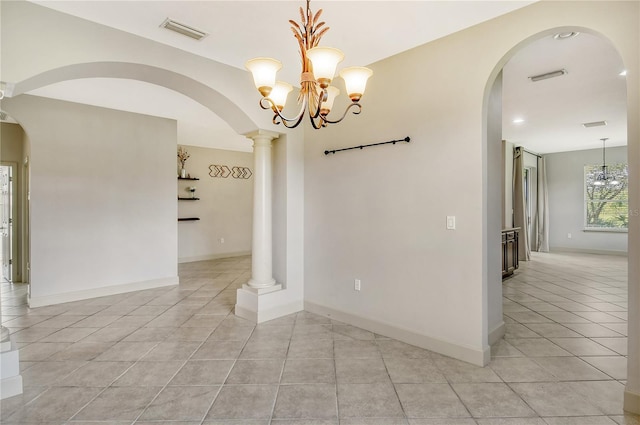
x,y
565,179
288,207
224,208
103,199
492,251
379,214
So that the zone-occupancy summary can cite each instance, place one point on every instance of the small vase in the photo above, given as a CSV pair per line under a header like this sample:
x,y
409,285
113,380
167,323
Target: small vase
x,y
183,173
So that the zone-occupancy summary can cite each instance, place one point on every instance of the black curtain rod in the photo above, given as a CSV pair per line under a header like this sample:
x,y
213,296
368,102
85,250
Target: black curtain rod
x,y
530,153
406,139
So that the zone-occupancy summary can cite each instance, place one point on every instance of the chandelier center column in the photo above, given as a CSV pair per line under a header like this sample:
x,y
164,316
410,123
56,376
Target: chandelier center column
x,y
261,260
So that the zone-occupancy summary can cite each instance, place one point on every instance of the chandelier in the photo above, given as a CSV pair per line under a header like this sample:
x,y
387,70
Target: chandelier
x,y
318,70
603,177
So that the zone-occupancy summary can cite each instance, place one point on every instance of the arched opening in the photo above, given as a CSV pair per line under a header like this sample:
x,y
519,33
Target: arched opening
x,y
106,183
201,93
557,299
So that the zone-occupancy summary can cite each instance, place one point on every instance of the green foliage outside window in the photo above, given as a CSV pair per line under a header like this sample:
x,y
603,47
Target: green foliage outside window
x,y
606,204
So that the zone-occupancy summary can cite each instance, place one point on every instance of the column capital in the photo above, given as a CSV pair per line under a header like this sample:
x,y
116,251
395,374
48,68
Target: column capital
x,y
261,135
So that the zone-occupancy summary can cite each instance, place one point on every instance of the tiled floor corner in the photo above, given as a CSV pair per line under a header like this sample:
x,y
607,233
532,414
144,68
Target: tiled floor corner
x,y
179,356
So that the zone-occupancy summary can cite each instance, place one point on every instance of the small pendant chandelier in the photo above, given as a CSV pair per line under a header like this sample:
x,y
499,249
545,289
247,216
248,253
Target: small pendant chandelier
x,y
318,70
603,177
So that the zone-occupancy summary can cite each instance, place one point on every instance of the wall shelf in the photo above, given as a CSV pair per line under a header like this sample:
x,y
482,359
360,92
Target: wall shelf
x,y
188,219
188,178
188,199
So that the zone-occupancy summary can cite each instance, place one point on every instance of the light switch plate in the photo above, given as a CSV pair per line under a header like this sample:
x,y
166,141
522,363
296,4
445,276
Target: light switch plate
x,y
451,222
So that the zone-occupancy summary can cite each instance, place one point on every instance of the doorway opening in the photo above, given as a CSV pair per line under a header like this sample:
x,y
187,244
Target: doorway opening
x,y
7,220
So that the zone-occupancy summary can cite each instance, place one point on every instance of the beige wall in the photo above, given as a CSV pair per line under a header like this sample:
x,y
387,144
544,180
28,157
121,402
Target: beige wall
x,y
224,208
11,142
103,199
565,182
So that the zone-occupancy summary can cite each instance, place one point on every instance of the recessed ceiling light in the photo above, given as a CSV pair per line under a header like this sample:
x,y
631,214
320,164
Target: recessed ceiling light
x,y
518,120
623,73
565,35
547,75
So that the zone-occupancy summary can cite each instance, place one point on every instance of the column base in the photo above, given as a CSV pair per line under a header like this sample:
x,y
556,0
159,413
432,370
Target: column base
x,y
10,378
261,285
262,290
262,304
631,402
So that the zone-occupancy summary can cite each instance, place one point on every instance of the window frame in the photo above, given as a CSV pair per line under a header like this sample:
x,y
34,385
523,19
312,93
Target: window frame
x,y
585,203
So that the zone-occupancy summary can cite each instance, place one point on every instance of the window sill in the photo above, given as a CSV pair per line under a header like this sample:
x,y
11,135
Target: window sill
x,y
604,230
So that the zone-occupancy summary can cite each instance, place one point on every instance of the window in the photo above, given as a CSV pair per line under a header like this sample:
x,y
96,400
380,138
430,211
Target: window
x,y
606,197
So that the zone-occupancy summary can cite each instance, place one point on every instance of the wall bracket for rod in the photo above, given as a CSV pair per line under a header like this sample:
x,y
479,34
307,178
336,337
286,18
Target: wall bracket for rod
x,y
393,142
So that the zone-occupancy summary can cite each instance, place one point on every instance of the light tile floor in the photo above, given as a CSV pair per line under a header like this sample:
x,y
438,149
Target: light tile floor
x,y
179,356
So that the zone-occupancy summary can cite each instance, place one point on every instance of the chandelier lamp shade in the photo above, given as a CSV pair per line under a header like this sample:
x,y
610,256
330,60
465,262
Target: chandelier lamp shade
x,y
603,177
319,66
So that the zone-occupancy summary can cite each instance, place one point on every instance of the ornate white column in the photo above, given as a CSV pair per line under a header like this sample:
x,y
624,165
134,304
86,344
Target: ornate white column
x,y
261,260
253,301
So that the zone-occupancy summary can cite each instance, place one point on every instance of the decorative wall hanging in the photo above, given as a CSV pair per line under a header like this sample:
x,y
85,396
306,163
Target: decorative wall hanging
x,y
242,173
406,139
219,171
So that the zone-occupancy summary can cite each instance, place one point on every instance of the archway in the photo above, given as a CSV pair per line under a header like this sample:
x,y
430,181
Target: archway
x,y
492,138
49,138
201,93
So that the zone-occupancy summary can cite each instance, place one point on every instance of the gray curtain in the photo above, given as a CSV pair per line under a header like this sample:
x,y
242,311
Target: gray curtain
x,y
519,206
542,244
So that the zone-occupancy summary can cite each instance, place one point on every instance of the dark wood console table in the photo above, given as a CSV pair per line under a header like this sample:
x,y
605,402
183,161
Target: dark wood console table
x,y
509,251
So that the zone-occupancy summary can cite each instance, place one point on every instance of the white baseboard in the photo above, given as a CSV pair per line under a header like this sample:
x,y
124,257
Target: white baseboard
x,y
497,333
265,316
631,402
213,257
559,249
101,292
460,352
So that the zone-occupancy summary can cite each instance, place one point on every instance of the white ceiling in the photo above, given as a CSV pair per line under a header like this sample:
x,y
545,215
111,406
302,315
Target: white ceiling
x,y
367,31
554,110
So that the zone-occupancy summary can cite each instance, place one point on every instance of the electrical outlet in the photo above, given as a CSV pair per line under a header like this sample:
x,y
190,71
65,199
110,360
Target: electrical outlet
x,y
568,235
221,240
356,284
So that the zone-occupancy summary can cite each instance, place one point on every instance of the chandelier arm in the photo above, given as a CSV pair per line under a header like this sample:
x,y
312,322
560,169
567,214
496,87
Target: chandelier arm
x,y
357,105
322,97
319,124
278,115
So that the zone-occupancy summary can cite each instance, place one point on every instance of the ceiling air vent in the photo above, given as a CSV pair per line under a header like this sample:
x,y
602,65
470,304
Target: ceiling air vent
x,y
594,124
547,75
183,29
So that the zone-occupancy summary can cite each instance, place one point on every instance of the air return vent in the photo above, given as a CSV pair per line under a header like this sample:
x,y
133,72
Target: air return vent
x,y
594,124
183,29
548,75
